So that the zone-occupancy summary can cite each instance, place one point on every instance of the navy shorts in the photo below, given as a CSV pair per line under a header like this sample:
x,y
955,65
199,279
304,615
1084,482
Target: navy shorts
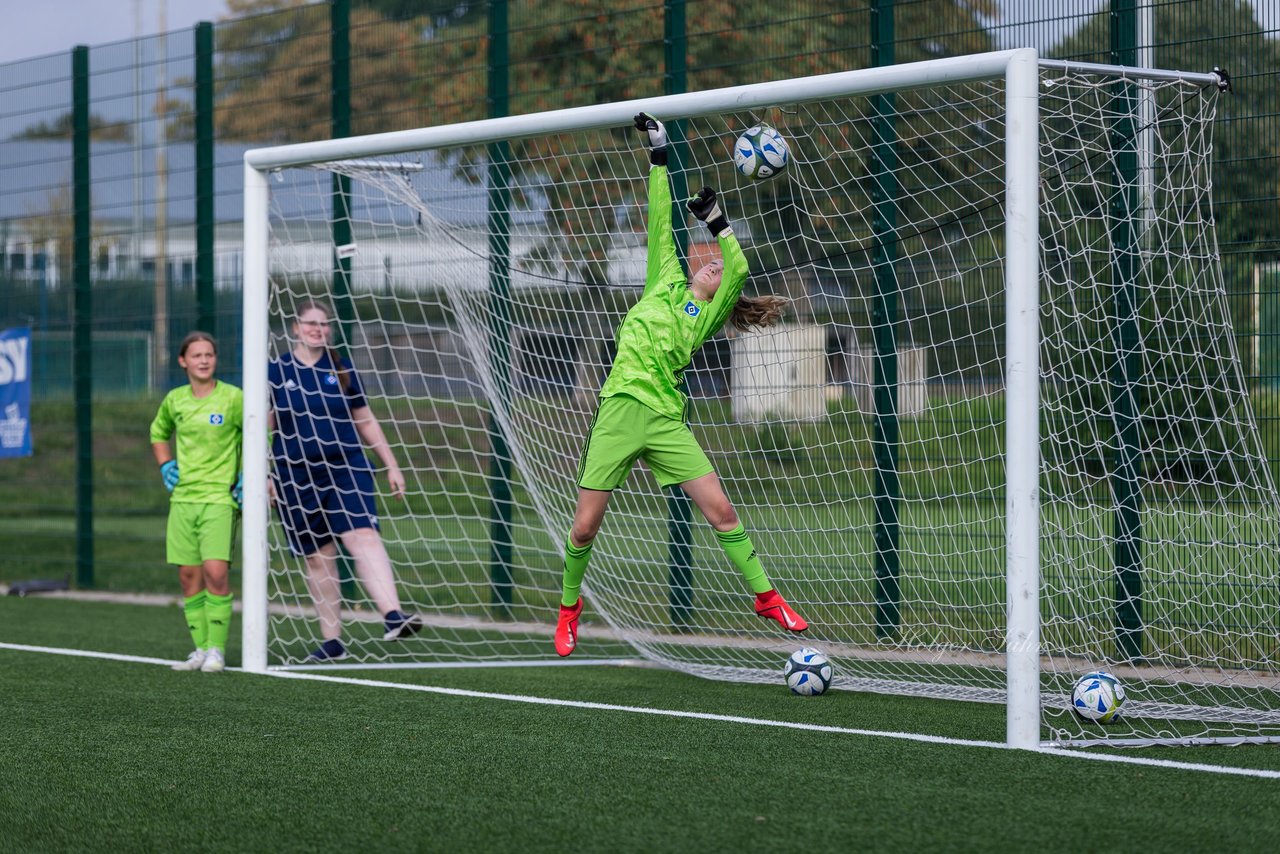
x,y
320,502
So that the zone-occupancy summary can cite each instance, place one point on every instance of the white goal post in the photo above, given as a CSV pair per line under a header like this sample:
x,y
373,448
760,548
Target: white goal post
x,y
1073,339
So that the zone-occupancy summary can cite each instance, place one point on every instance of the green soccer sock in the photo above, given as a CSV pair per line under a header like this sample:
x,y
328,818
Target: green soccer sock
x,y
218,614
193,608
575,566
737,545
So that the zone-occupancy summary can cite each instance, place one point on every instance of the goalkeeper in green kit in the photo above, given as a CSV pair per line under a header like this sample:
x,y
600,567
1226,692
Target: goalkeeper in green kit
x,y
205,483
642,411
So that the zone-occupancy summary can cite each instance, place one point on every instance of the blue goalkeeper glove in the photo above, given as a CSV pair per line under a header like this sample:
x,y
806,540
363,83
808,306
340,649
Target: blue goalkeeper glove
x,y
647,124
704,207
237,491
169,474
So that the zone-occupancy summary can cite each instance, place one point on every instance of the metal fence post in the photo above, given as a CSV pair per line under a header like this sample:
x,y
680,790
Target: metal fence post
x,y
1126,464
206,308
82,346
340,126
675,80
884,195
499,227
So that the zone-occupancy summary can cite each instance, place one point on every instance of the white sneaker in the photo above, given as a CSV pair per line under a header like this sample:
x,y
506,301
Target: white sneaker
x,y
193,662
213,662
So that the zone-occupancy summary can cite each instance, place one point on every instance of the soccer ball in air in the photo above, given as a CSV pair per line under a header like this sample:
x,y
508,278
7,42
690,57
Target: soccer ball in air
x,y
808,673
1098,696
761,153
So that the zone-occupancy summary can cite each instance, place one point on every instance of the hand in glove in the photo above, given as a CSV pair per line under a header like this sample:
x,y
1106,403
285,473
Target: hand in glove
x,y
704,207
169,474
657,134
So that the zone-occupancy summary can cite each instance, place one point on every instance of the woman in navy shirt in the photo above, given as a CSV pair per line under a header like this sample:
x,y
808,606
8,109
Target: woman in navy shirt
x,y
323,485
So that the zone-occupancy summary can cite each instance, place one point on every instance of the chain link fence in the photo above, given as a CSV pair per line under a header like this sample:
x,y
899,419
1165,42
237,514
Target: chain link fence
x,y
170,117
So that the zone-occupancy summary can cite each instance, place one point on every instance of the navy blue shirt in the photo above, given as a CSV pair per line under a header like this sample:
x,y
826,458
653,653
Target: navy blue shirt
x,y
313,415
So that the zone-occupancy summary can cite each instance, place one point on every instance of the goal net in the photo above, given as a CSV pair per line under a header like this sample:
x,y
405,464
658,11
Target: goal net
x,y
1002,438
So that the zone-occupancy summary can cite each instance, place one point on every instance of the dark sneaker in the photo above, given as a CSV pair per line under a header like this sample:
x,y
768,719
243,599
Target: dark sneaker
x,y
567,629
330,650
400,626
772,606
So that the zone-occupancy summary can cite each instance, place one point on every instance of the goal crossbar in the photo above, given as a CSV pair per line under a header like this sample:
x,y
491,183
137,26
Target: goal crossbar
x,y
865,81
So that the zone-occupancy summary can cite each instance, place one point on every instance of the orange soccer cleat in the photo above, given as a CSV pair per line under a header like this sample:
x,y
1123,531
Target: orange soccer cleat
x,y
772,606
567,629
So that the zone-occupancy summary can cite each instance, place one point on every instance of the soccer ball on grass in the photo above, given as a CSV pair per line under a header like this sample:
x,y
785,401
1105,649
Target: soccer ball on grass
x,y
761,153
1098,697
807,671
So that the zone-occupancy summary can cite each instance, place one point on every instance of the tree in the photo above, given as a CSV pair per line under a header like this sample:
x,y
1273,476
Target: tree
x,y
564,53
100,130
445,12
594,52
430,68
576,52
273,78
1200,37
1183,382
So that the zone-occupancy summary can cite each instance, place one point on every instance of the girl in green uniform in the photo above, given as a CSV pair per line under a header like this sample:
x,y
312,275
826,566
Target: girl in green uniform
x,y
204,480
642,403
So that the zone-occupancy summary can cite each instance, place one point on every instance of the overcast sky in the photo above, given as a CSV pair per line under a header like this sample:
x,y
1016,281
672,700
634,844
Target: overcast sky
x,y
39,27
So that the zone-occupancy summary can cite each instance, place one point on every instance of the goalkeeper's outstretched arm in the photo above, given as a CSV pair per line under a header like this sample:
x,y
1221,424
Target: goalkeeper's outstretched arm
x,y
662,265
721,281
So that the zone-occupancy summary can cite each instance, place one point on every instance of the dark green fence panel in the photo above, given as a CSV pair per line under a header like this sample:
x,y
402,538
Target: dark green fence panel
x,y
415,64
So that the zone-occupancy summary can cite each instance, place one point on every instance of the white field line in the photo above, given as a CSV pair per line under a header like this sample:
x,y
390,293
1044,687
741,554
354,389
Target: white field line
x,y
473,665
675,713
600,631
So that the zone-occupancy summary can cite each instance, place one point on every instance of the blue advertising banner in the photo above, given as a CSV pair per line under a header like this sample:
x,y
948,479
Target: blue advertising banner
x,y
15,392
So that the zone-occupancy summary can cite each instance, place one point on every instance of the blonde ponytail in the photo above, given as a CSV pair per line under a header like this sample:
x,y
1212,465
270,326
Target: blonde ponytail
x,y
761,311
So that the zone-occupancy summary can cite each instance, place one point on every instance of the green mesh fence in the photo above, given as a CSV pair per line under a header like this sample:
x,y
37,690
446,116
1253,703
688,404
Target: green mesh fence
x,y
426,62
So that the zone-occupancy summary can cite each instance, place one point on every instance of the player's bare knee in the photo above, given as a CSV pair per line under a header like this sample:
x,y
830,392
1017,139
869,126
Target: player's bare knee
x,y
722,516
583,533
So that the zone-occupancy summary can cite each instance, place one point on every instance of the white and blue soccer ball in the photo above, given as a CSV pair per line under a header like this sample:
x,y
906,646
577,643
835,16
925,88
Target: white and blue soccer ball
x,y
761,153
1098,696
808,672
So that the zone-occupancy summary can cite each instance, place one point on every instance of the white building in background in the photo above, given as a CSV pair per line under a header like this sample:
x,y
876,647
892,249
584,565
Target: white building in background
x,y
396,246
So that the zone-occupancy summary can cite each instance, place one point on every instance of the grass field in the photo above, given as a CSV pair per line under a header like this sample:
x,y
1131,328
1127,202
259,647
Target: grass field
x,y
120,755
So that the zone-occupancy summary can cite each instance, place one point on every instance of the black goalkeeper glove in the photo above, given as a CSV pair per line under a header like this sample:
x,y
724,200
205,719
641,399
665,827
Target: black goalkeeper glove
x,y
704,207
647,124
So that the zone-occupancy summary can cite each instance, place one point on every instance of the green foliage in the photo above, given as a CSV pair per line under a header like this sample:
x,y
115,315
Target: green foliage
x,y
1200,37
572,53
445,12
100,130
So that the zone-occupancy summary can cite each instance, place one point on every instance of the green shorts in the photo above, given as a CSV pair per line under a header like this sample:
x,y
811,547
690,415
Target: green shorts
x,y
624,430
199,532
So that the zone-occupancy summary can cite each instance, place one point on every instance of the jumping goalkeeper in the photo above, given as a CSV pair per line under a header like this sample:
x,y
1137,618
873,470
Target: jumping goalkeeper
x,y
642,411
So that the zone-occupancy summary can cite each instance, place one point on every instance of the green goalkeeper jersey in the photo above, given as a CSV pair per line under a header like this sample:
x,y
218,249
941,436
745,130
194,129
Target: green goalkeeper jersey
x,y
208,430
661,332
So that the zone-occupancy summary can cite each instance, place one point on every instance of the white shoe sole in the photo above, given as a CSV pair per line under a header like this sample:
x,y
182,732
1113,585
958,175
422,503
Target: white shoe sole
x,y
408,628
